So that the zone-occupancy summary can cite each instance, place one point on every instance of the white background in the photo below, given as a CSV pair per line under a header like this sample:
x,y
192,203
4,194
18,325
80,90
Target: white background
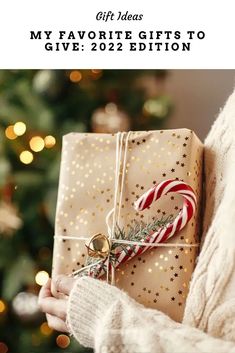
x,y
216,18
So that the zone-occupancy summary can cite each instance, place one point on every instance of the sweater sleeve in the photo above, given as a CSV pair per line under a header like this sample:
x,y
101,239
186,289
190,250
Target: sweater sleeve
x,y
105,318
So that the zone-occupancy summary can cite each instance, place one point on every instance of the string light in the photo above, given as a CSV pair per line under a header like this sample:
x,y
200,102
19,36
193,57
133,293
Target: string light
x,y
3,347
62,341
49,141
45,329
19,128
26,157
9,132
75,76
2,306
41,278
36,143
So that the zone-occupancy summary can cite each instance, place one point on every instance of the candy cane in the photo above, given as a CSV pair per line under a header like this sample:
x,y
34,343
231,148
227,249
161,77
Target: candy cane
x,y
166,232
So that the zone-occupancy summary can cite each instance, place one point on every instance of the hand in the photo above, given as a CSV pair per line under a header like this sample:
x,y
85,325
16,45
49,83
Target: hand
x,y
54,308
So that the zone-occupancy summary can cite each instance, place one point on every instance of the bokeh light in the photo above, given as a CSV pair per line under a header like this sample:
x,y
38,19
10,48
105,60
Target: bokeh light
x,y
26,157
25,306
41,278
36,143
96,74
111,108
3,347
45,329
62,341
96,71
19,128
158,108
2,306
75,76
9,132
49,141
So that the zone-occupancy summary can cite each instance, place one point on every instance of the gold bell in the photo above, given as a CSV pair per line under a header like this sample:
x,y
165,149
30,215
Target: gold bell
x,y
99,246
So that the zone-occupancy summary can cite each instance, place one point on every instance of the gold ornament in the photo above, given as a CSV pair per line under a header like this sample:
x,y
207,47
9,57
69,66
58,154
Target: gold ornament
x,y
99,246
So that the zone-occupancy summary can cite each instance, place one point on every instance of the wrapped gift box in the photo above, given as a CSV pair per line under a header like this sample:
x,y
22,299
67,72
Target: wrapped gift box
x,y
158,278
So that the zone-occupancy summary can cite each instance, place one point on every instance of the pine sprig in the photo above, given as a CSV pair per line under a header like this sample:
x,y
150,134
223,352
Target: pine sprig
x,y
140,231
136,233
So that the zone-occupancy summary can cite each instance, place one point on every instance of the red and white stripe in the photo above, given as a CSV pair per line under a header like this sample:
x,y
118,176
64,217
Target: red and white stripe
x,y
166,232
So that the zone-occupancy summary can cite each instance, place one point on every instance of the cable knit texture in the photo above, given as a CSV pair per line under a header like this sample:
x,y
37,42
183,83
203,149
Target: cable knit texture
x,y
107,319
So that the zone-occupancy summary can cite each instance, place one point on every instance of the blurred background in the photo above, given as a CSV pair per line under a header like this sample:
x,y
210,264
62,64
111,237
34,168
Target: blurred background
x,y
36,109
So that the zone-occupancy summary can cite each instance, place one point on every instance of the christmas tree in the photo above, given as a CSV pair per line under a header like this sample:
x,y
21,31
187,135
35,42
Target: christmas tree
x,y
36,109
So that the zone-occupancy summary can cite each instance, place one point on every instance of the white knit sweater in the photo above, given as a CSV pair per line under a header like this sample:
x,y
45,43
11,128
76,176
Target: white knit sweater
x,y
107,319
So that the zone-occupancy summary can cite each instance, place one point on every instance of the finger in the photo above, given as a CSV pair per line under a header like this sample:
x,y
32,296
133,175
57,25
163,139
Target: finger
x,y
56,324
55,307
63,284
45,291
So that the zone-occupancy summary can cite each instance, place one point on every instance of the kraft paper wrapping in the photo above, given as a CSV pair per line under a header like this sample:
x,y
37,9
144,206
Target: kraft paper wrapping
x,y
160,277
